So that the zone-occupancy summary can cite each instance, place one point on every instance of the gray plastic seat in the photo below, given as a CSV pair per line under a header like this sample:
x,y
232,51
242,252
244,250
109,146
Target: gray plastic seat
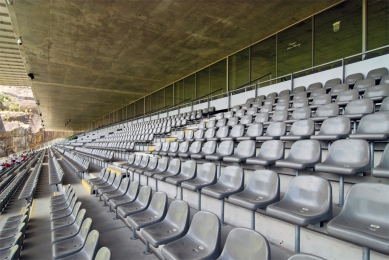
x,y
236,131
103,254
256,104
302,129
152,164
11,233
252,111
68,231
245,120
103,180
244,150
117,193
206,175
207,149
373,127
199,134
129,197
298,103
64,213
55,204
8,243
233,121
115,185
223,131
384,80
155,212
297,90
72,245
303,154
209,133
69,188
266,108
377,93
284,105
183,148
194,148
299,114
161,167
335,90
219,116
382,169
384,105
325,111
345,97
174,226
109,182
320,100
157,148
377,74
270,152
253,131
260,98
358,108
353,78
211,123
261,117
67,221
299,95
364,219
12,253
362,85
141,203
317,92
278,116
139,158
172,170
240,112
201,242
305,257
332,82
229,114
243,243
225,148
188,135
308,200
273,132
333,129
263,189
188,172
88,252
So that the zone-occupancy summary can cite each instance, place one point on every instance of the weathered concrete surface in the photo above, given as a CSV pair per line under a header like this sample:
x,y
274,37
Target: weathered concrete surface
x,y
90,58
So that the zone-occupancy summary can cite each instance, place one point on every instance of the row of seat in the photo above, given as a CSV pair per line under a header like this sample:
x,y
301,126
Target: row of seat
x,y
7,193
30,185
98,154
56,172
12,235
71,234
76,163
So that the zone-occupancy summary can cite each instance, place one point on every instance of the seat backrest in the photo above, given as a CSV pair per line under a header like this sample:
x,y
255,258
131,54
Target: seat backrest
x,y
91,244
250,100
184,147
262,117
211,123
271,95
175,165
233,121
285,92
353,78
377,91
272,149
103,254
300,95
235,108
237,131
256,104
232,176
133,189
107,175
349,152
209,147
377,74
111,178
384,105
145,161
124,185
302,127
229,114
178,215
222,131
226,148
281,106
260,98
207,172
117,181
195,147
266,108
377,123
298,90
252,111
339,88
210,133
76,209
85,228
384,80
328,110
321,100
314,86
188,168
188,134
144,196
244,243
157,148
310,191
280,115
221,122
301,113
364,84
318,92
332,82
205,228
336,125
348,95
162,164
199,133
219,116
276,129
363,106
80,218
158,203
165,146
247,119
265,182
152,163
301,102
305,151
173,147
245,148
254,130
240,112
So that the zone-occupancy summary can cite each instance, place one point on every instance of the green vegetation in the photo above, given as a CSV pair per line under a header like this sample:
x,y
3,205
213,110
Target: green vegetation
x,y
14,107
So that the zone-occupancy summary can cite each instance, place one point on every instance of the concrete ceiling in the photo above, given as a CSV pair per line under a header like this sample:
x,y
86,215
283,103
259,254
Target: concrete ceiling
x,y
90,58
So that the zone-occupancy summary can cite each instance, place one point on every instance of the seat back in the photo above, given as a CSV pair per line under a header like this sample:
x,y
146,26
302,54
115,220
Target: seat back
x,y
244,243
384,105
210,133
360,106
145,161
301,113
321,100
152,163
124,185
336,125
245,148
199,133
76,209
240,112
349,153
259,98
353,78
282,105
221,122
247,119
85,228
209,147
162,164
144,196
302,127
328,110
103,254
174,166
256,104
117,181
229,114
250,100
266,108
283,93
14,254
332,82
173,147
377,91
188,134
195,147
300,95
233,121
205,228
157,148
348,95
377,123
91,244
158,204
222,132
111,178
133,189
262,117
298,90
237,131
211,123
364,84
276,129
80,218
165,146
279,116
339,88
265,182
219,116
377,74
300,102
252,111
184,147
107,175
226,148
272,149
271,95
254,130
207,172
305,151
178,215
188,168
232,176
384,80
318,92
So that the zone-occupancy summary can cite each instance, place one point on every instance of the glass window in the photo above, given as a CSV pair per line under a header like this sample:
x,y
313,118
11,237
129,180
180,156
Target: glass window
x,y
202,83
139,107
294,48
169,96
158,100
239,69
263,61
178,92
130,110
190,88
218,77
377,23
338,32
147,104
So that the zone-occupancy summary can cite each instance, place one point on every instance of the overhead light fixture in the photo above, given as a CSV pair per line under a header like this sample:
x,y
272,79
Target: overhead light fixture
x,y
20,42
10,2
40,114
31,76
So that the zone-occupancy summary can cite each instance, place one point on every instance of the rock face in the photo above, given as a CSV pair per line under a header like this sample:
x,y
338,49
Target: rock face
x,y
20,123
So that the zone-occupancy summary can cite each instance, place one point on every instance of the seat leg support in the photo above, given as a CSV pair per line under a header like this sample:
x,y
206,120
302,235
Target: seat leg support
x,y
219,166
181,193
253,219
341,190
116,214
297,172
156,185
371,144
222,214
365,253
147,251
109,209
133,234
199,200
133,175
147,181
297,239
